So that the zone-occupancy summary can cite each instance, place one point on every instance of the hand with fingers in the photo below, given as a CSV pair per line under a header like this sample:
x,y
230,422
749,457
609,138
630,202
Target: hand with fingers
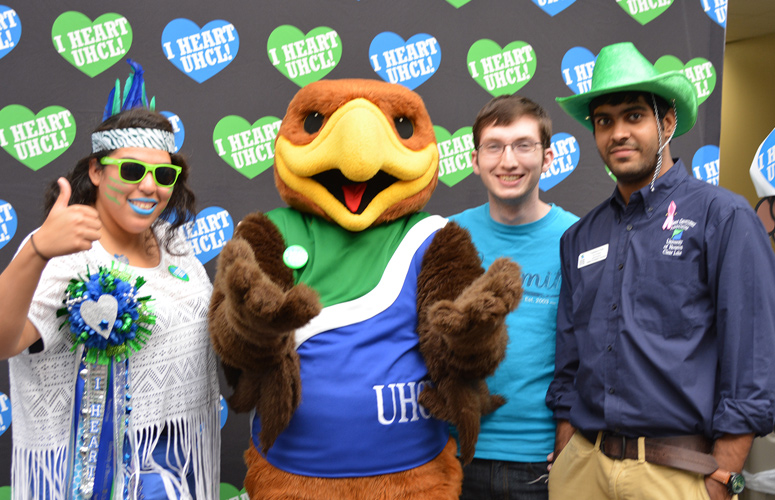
x,y
68,228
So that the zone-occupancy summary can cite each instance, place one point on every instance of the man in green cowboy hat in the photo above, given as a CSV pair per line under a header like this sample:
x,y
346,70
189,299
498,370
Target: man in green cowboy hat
x,y
665,338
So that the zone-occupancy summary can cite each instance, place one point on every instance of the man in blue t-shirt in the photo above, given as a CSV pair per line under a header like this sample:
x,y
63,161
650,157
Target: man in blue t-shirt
x,y
512,138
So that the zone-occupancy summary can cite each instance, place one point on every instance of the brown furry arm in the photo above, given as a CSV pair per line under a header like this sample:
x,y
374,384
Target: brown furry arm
x,y
254,311
461,323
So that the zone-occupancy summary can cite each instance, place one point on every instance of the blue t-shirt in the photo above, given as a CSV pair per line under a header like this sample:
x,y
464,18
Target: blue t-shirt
x,y
523,429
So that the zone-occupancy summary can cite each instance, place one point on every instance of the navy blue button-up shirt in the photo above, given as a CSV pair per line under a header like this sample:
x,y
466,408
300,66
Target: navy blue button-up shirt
x,y
667,329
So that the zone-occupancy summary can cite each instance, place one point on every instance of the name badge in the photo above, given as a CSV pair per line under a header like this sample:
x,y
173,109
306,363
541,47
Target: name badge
x,y
592,256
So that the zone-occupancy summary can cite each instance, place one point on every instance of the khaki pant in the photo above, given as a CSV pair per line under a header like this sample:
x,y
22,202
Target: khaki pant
x,y
583,472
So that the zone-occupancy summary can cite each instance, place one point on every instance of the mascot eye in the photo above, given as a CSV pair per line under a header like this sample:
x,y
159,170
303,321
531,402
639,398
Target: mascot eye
x,y
404,127
313,122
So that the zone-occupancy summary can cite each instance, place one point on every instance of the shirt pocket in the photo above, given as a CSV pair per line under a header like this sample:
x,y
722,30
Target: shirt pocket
x,y
669,300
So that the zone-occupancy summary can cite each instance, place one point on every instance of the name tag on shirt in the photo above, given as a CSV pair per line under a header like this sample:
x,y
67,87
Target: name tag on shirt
x,y
592,256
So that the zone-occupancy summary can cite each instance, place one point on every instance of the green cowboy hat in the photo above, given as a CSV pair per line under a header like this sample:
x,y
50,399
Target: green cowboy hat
x,y
620,67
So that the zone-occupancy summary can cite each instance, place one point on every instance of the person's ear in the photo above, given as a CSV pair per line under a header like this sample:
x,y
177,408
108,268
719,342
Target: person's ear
x,y
669,123
95,171
475,161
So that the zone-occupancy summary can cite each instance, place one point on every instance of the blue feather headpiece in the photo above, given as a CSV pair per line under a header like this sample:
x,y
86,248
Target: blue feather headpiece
x,y
134,93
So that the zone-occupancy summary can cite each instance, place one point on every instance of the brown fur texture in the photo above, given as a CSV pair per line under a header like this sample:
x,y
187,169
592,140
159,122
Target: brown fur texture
x,y
439,479
463,337
254,311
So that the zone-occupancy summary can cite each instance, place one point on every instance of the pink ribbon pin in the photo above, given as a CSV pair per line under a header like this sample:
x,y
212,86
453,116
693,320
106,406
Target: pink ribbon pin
x,y
668,225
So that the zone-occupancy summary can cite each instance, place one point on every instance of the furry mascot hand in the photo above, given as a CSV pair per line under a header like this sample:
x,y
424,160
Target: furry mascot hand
x,y
357,359
252,319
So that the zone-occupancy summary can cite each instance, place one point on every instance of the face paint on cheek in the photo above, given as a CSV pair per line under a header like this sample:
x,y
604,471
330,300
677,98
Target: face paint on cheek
x,y
118,189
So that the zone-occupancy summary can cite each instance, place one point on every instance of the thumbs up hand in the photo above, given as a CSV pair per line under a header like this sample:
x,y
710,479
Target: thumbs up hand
x,y
67,228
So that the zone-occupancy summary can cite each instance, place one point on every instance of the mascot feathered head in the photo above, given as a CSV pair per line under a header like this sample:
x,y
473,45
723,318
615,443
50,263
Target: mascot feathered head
x,y
356,152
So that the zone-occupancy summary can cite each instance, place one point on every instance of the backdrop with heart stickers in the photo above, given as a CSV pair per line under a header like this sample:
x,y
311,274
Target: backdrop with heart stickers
x,y
454,154
211,230
408,62
10,30
8,223
763,167
553,7
577,65
200,53
566,158
699,71
716,10
644,11
302,58
36,140
177,128
501,71
705,164
248,149
247,59
91,46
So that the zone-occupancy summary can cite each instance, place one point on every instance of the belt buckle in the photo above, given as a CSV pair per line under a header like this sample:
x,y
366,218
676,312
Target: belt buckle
x,y
603,440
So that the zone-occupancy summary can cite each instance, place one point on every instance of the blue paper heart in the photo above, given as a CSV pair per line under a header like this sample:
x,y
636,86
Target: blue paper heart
x,y
200,53
577,65
566,157
705,164
409,63
717,13
224,411
211,230
5,416
10,30
553,7
766,159
8,223
177,128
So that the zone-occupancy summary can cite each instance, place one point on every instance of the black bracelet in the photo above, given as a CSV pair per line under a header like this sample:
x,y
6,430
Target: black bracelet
x,y
36,249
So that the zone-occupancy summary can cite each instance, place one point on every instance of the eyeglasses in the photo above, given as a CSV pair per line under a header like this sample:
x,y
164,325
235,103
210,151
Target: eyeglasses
x,y
494,150
133,171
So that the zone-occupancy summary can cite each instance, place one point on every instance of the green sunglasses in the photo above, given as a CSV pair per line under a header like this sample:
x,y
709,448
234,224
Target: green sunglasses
x,y
133,171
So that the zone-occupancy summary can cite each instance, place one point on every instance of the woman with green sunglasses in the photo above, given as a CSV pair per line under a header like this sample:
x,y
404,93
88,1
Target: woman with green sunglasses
x,y
118,214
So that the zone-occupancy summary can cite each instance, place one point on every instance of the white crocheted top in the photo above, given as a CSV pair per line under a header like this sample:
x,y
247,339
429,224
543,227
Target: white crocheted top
x,y
174,382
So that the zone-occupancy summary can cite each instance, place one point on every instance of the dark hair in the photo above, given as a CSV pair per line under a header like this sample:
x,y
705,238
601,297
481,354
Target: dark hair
x,y
504,110
631,96
181,206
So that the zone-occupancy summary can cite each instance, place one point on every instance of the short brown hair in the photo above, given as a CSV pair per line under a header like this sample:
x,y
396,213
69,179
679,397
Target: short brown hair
x,y
506,109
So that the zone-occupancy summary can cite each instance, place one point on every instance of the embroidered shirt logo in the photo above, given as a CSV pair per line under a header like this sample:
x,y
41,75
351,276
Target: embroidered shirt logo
x,y
674,245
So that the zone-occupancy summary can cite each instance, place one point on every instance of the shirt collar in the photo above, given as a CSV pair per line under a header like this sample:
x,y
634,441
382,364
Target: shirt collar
x,y
663,187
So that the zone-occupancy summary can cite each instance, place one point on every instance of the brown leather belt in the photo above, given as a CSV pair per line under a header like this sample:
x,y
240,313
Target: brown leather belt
x,y
690,453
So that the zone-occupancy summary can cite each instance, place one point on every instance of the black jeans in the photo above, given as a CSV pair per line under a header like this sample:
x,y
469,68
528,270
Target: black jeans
x,y
499,480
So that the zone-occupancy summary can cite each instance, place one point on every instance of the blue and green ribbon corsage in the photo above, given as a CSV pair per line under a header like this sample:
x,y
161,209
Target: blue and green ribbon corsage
x,y
106,314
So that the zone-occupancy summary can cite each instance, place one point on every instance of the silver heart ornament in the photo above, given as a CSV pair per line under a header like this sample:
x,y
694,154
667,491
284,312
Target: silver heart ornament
x,y
100,315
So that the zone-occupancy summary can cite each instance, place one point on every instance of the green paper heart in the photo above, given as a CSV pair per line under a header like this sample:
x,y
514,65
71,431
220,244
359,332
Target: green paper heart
x,y
92,47
454,154
5,493
248,149
229,492
36,140
699,71
501,71
304,58
644,11
457,3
